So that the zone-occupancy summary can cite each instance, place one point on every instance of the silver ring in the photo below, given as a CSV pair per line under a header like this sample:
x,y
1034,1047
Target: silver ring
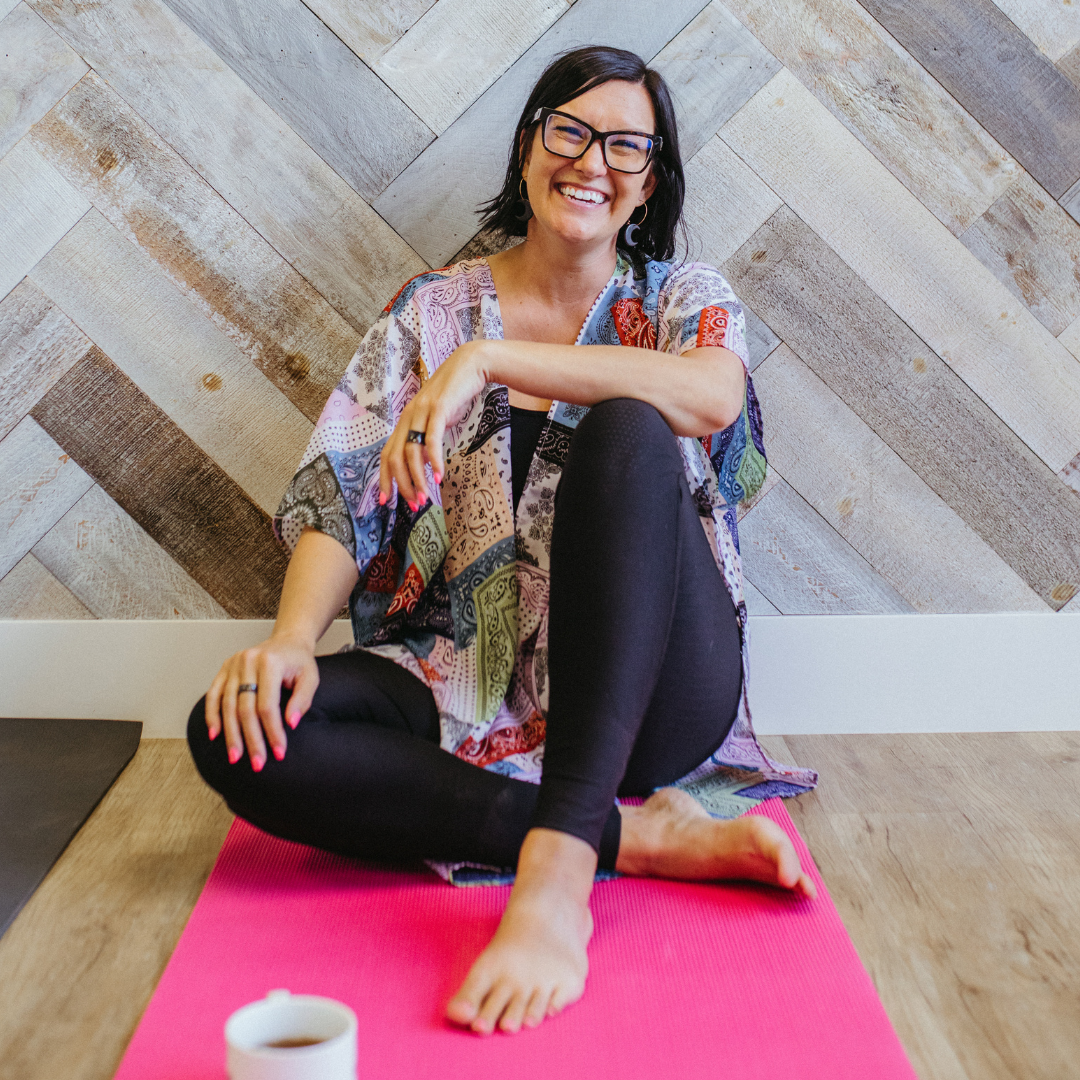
x,y
247,688
416,437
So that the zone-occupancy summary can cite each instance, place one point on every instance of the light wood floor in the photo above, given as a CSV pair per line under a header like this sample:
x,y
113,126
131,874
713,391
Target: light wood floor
x,y
954,861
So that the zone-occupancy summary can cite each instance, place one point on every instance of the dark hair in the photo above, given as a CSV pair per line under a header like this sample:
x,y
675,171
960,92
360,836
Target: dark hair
x,y
566,77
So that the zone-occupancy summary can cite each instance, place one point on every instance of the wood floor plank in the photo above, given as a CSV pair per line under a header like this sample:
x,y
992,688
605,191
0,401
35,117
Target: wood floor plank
x,y
1018,96
29,591
1033,248
887,101
760,339
712,67
756,601
41,483
369,27
6,6
726,202
913,263
859,485
163,343
1070,201
1069,66
1070,337
1071,474
38,343
160,477
913,401
432,204
36,70
100,145
88,949
1053,25
39,208
318,86
804,567
103,557
224,130
457,49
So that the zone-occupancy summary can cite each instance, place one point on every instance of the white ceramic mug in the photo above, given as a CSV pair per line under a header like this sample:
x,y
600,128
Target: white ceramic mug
x,y
282,1018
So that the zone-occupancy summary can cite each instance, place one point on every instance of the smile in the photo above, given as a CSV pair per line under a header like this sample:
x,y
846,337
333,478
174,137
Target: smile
x,y
581,195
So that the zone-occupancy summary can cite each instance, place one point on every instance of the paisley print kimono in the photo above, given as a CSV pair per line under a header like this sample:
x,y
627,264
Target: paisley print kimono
x,y
457,592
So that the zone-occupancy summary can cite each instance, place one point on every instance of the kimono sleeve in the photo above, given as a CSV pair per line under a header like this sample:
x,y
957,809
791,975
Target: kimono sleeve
x,y
697,308
336,488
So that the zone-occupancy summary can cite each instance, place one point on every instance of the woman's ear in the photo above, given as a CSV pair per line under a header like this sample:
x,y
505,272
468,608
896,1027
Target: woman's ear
x,y
524,152
649,186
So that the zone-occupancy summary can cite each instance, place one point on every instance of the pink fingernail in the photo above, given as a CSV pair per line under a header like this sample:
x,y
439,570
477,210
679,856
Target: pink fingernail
x,y
413,506
279,752
257,763
382,499
421,499
293,720
438,477
213,735
234,755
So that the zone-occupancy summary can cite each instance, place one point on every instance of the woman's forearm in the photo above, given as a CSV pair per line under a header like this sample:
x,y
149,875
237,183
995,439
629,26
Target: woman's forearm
x,y
320,577
698,393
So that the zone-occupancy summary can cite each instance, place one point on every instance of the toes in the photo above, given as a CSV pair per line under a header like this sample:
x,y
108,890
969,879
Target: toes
x,y
464,1006
492,1009
565,994
537,1008
514,1012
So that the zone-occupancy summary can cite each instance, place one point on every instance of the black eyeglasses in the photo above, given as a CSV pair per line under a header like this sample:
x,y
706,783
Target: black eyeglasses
x,y
567,136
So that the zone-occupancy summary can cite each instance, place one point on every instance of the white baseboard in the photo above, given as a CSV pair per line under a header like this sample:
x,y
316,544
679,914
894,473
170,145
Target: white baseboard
x,y
810,674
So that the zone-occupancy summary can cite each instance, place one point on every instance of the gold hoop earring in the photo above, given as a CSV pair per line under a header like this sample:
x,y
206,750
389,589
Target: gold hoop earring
x,y
526,212
633,226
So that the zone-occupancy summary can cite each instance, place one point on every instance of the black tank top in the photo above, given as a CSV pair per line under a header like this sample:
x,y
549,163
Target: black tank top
x,y
525,428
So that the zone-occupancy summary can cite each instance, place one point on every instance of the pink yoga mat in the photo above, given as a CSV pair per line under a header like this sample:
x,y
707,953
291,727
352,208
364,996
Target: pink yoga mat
x,y
687,981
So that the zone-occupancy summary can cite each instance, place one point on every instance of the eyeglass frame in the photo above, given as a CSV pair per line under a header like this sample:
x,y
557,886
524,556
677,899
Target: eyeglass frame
x,y
541,115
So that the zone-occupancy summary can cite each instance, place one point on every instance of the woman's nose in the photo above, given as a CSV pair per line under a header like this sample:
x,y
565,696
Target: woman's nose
x,y
592,161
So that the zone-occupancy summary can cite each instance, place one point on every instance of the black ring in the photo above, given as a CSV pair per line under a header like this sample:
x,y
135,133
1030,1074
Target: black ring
x,y
416,437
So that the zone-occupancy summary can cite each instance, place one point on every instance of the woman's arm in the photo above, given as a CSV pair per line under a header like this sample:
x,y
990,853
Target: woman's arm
x,y
698,393
319,579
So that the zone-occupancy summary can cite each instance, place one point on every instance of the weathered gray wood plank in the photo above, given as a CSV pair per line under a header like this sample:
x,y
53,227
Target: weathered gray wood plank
x,y
38,343
852,478
999,76
117,294
36,70
432,204
1069,66
1053,25
756,601
759,338
1033,248
1070,201
41,483
888,101
193,510
1071,474
712,67
39,208
866,355
457,49
913,263
1070,337
221,127
369,27
804,567
6,6
726,202
29,591
151,195
115,569
315,83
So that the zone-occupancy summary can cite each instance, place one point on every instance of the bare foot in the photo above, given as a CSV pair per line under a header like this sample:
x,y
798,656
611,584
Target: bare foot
x,y
672,836
536,963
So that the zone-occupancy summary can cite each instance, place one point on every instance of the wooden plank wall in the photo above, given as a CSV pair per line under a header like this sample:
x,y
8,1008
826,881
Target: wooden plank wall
x,y
204,206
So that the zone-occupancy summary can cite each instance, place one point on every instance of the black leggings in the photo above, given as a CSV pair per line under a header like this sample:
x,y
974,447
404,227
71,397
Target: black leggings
x,y
644,670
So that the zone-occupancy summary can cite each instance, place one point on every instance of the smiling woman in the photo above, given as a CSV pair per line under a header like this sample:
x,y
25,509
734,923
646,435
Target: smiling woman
x,y
524,486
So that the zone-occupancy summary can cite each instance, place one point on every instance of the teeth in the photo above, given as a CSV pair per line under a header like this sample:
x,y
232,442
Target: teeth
x,y
580,195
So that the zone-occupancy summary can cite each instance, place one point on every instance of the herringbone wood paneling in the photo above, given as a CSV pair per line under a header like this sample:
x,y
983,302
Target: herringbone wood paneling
x,y
204,207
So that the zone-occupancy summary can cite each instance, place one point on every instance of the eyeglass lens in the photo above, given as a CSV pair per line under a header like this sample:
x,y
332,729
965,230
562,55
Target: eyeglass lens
x,y
623,152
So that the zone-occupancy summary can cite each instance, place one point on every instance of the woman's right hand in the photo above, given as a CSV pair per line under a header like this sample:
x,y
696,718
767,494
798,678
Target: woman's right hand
x,y
280,661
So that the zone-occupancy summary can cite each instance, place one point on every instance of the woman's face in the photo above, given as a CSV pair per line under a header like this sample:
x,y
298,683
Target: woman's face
x,y
583,201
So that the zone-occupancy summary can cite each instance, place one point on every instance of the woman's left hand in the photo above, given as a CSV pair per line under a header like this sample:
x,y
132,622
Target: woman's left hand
x,y
442,400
